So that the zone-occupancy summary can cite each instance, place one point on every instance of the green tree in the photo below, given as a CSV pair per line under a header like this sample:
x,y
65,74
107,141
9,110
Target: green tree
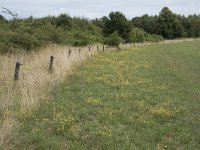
x,y
167,23
64,21
193,25
146,22
100,22
117,22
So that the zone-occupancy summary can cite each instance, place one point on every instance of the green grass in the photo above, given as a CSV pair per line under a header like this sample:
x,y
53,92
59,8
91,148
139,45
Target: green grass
x,y
145,98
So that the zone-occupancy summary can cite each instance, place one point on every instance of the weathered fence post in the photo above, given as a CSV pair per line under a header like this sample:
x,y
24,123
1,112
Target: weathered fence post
x,y
103,48
89,49
79,51
17,69
69,52
51,64
97,48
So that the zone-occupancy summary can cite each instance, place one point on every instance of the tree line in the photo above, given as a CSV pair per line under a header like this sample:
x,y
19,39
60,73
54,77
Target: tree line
x,y
31,33
169,24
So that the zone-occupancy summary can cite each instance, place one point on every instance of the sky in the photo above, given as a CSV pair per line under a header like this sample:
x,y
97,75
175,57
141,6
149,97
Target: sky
x,y
98,8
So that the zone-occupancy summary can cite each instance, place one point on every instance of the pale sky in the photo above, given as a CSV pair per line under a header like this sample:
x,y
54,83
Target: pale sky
x,y
98,8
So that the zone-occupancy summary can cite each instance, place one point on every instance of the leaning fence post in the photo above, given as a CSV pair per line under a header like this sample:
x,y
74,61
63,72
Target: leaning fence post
x,y
51,64
17,69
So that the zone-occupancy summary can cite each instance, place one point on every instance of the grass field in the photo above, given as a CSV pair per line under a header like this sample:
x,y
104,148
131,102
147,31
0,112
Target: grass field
x,y
140,98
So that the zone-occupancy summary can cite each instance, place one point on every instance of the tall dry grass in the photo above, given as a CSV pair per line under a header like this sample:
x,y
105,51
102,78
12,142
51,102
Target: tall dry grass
x,y
35,81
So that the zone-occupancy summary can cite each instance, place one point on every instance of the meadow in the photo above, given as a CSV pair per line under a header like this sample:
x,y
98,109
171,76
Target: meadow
x,y
133,98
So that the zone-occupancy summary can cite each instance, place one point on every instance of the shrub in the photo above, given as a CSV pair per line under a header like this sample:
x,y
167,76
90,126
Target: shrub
x,y
113,40
5,32
49,33
76,38
136,35
24,40
139,35
157,38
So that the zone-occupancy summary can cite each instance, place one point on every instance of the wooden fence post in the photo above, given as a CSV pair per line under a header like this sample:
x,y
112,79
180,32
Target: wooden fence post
x,y
79,51
103,48
97,48
17,69
89,49
51,64
69,52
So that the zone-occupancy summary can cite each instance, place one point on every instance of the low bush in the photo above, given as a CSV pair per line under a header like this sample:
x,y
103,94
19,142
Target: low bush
x,y
138,35
113,40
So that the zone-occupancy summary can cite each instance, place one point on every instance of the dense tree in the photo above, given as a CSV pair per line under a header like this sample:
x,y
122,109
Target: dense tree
x,y
100,22
147,23
192,26
117,22
64,21
167,23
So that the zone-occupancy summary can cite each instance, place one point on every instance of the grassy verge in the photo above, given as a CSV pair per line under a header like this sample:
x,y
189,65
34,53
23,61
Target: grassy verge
x,y
145,98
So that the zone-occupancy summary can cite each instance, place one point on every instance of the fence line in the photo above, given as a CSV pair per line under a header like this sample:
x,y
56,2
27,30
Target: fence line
x,y
101,48
81,53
